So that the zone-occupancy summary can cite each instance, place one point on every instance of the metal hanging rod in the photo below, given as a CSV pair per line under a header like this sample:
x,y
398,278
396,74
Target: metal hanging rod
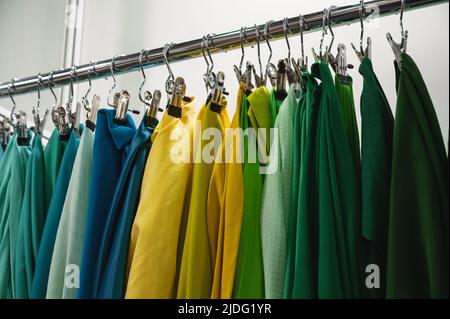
x,y
192,49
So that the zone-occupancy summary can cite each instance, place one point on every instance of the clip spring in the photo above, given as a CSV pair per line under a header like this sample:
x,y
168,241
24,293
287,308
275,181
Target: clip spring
x,y
174,104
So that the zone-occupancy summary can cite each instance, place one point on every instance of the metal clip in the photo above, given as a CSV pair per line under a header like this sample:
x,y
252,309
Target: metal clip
x,y
271,74
59,119
179,90
219,89
247,76
367,53
5,128
259,80
39,122
361,53
74,117
280,81
154,104
21,128
339,63
399,48
121,100
91,112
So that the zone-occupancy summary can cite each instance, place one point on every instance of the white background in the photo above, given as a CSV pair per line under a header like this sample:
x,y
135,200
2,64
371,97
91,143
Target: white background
x,y
32,36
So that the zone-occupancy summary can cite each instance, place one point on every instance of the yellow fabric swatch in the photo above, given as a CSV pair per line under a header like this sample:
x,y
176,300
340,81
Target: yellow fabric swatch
x,y
196,268
153,256
225,204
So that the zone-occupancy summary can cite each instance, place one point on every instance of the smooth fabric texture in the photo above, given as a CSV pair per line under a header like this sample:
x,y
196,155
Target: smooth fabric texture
x,y
275,103
44,257
70,235
116,236
42,171
344,91
276,199
31,222
377,125
157,232
301,256
12,188
339,272
53,154
195,279
225,203
110,151
249,278
418,244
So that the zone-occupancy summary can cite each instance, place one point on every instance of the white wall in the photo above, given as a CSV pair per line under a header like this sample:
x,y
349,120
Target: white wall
x,y
32,34
116,26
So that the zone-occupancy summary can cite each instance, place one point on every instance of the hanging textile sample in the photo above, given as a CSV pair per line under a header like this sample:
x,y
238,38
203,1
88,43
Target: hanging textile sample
x,y
114,245
276,199
66,256
195,279
50,229
418,242
110,151
302,231
249,277
377,124
225,202
12,188
157,233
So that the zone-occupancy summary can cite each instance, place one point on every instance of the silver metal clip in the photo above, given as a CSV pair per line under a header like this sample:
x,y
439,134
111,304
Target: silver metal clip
x,y
121,100
5,128
60,120
154,104
361,53
179,90
219,88
367,53
247,76
39,122
21,128
399,48
74,117
339,63
281,74
91,113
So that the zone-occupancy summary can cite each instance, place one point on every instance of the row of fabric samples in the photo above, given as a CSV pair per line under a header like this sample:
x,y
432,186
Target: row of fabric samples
x,y
119,214
62,203
338,221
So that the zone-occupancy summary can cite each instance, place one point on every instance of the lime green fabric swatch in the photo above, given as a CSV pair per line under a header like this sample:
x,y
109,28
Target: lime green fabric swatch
x,y
249,278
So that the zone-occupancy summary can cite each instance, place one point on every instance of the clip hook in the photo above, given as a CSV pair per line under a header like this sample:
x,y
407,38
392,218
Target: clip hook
x,y
11,86
399,48
170,82
111,68
51,84
259,78
147,95
84,98
286,29
38,122
238,71
361,54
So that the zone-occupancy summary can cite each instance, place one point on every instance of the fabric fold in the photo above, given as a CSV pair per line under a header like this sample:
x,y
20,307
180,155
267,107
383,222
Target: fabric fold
x,y
418,244
157,232
116,236
109,156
